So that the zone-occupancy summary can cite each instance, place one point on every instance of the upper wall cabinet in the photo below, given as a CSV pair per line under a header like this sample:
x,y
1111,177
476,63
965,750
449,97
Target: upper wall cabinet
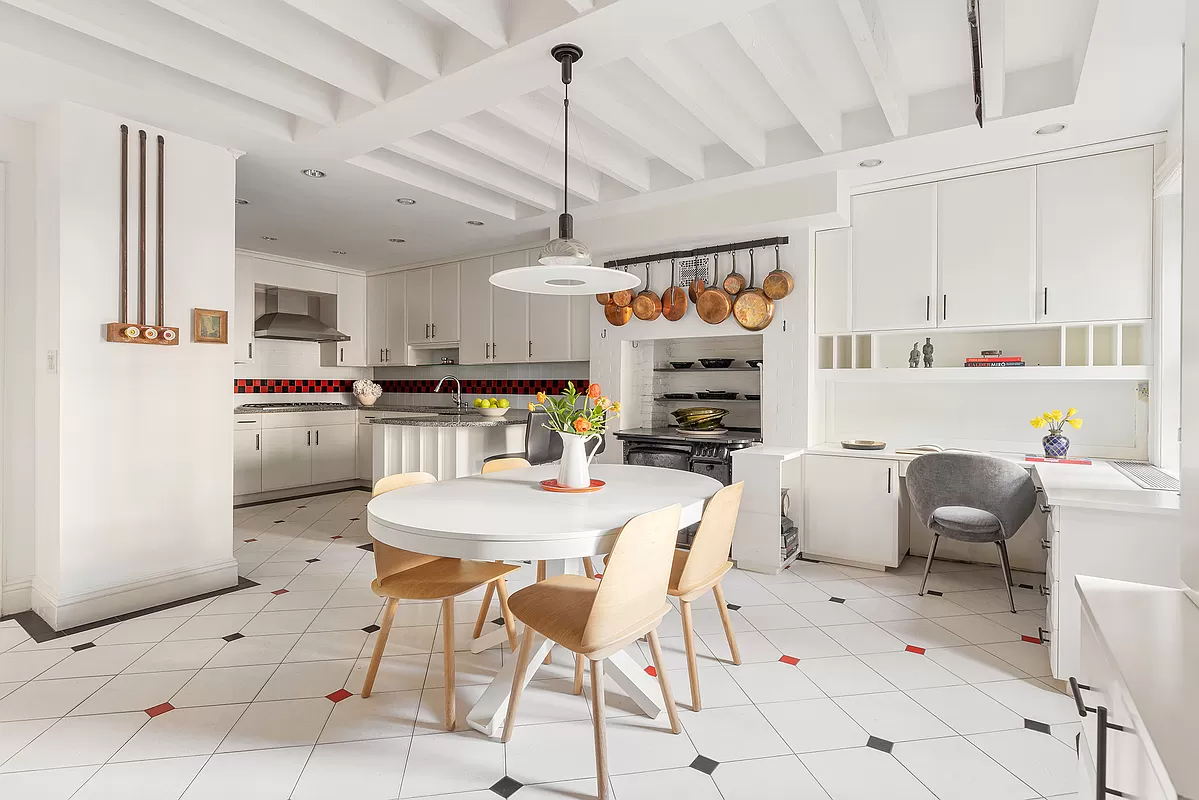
x,y
509,314
832,281
350,319
385,334
475,304
986,249
894,258
431,305
1095,227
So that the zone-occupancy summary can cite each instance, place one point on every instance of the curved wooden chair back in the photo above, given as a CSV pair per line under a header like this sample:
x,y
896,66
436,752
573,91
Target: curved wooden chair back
x,y
710,550
501,464
391,560
637,576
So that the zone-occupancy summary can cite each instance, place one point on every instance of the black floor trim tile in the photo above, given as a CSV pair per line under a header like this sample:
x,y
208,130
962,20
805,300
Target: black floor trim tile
x,y
312,560
506,787
370,628
880,744
1039,727
84,646
40,631
368,547
704,764
809,560
358,488
836,599
233,637
935,593
732,606
498,621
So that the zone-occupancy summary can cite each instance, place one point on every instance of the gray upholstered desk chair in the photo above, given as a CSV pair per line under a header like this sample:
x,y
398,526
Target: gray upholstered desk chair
x,y
971,498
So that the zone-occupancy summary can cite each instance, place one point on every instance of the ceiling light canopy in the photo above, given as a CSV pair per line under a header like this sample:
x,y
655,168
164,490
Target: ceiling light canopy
x,y
405,201
870,162
565,262
312,173
1050,129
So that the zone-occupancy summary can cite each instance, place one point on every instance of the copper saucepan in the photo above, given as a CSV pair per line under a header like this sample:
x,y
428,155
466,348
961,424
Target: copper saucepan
x,y
647,305
734,282
779,283
623,297
714,305
698,285
752,309
674,299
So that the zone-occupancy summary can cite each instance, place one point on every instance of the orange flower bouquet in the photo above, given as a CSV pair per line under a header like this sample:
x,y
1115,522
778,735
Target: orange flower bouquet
x,y
577,424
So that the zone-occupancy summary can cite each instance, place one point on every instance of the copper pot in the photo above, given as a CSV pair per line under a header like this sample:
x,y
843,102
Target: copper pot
x,y
617,315
779,283
734,282
623,297
752,309
674,299
647,305
697,287
714,305
603,297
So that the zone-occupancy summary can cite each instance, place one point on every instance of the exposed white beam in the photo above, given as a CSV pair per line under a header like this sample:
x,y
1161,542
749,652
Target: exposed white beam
x,y
486,20
640,126
504,143
384,26
159,83
991,23
414,173
283,33
707,102
582,5
161,36
762,36
468,164
865,22
540,119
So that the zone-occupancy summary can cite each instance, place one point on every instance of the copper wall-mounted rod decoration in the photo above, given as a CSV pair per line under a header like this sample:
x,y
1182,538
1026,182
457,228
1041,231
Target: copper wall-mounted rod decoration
x,y
159,256
124,234
141,233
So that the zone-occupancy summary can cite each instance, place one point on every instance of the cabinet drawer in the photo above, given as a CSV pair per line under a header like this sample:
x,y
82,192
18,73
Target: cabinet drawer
x,y
246,422
306,419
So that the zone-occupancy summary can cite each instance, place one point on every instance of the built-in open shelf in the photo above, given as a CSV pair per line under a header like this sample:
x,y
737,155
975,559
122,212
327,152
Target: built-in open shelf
x,y
701,400
935,374
702,370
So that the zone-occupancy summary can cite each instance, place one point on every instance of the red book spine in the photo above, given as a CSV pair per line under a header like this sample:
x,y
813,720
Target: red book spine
x,y
994,359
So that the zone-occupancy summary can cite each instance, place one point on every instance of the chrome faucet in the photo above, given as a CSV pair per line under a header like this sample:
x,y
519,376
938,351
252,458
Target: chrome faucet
x,y
457,395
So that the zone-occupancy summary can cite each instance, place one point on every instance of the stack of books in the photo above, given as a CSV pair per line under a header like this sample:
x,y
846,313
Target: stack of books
x,y
790,539
996,361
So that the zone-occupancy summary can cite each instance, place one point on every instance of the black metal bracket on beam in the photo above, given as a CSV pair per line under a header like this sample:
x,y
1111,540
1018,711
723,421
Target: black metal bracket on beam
x,y
699,251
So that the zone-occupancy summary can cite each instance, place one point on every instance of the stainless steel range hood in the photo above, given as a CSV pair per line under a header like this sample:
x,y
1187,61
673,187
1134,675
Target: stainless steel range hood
x,y
295,316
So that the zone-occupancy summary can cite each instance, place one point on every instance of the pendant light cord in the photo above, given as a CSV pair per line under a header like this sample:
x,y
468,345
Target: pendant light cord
x,y
566,148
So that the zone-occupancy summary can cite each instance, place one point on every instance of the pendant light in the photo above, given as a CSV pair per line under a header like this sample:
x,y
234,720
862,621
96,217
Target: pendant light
x,y
564,264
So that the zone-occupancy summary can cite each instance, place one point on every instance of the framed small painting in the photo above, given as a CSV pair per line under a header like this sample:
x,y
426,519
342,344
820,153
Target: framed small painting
x,y
209,326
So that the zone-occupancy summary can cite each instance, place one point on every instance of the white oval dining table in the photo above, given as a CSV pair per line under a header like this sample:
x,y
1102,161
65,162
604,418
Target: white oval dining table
x,y
508,516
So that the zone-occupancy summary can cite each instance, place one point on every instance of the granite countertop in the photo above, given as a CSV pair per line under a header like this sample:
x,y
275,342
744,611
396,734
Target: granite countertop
x,y
464,420
293,408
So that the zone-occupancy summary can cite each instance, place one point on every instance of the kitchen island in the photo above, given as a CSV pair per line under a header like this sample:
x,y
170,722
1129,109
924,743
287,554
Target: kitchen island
x,y
443,443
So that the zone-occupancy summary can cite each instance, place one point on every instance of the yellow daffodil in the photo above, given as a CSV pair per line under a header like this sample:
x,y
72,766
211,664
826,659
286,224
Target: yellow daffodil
x,y
531,407
1077,423
1071,412
616,407
1056,414
540,398
1037,422
1047,417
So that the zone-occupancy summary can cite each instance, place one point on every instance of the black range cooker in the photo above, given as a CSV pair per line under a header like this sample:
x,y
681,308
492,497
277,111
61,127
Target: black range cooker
x,y
669,448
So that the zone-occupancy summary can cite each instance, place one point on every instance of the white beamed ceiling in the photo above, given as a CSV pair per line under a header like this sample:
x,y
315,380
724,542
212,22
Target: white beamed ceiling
x,y
457,104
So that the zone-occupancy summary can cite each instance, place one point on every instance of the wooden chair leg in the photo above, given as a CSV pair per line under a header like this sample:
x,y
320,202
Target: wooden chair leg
x,y
692,667
578,674
518,681
482,618
667,696
718,591
389,615
549,657
601,732
501,589
447,636
588,569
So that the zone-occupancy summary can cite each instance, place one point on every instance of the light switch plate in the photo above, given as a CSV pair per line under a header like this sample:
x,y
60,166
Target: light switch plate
x,y
51,362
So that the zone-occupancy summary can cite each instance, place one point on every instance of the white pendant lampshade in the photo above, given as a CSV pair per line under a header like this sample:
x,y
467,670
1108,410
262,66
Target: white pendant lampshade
x,y
564,264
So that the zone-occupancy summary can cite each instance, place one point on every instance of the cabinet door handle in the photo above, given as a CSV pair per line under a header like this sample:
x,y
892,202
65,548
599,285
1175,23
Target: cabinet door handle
x,y
1045,307
318,438
258,441
928,308
486,351
1046,544
1043,635
888,480
1044,591
944,307
388,351
380,355
494,351
434,326
426,330
251,346
310,438
246,421
341,353
530,348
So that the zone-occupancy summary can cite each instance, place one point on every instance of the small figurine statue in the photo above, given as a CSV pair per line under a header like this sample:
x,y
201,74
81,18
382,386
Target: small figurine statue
x,y
928,352
914,356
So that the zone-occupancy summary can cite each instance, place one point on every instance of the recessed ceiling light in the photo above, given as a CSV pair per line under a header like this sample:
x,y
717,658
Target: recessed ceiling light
x,y
312,173
1050,129
474,222
405,201
241,201
870,162
396,241
270,238
338,252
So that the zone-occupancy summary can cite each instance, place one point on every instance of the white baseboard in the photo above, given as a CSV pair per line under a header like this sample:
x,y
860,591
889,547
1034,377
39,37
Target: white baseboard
x,y
242,500
67,611
15,597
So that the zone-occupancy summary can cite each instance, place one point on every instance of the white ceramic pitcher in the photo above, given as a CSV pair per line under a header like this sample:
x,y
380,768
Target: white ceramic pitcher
x,y
573,469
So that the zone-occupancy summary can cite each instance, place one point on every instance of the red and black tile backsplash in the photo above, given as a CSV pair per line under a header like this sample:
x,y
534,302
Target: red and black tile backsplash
x,y
469,385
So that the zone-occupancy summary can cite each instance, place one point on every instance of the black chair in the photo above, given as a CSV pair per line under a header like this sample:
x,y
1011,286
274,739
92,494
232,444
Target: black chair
x,y
543,446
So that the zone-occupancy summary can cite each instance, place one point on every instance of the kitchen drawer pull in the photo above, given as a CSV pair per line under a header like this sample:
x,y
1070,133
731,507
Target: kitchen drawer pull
x,y
1045,311
494,351
1046,508
310,438
1044,591
388,352
341,351
251,349
531,348
380,355
944,307
888,480
1043,635
318,438
258,441
928,306
246,421
1075,690
1046,544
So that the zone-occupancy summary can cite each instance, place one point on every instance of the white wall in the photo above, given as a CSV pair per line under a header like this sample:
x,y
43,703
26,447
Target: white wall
x,y
17,153
137,479
1189,460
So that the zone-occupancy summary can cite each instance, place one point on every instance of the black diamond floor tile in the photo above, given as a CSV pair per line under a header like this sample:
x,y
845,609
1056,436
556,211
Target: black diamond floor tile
x,y
1027,586
313,560
934,593
506,787
279,520
836,599
371,628
498,621
879,744
704,764
369,547
1039,727
233,637
83,646
732,606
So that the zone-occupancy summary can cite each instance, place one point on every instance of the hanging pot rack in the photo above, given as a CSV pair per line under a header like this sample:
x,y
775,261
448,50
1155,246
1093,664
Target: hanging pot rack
x,y
699,251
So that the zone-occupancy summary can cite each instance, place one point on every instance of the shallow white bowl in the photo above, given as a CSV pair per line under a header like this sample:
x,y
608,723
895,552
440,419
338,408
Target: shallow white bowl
x,y
492,412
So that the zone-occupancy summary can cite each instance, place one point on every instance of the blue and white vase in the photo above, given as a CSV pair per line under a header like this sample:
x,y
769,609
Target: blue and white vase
x,y
1056,445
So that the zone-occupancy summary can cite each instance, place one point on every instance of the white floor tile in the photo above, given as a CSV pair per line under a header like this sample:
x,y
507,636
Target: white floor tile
x,y
299,600
141,630
164,779
236,603
475,668
810,725
637,744
1025,623
846,589
843,675
714,649
77,742
954,769
966,709
978,601
733,733
354,596
891,585
881,609
260,774
561,751
1040,761
974,665
893,716
15,735
766,618
932,606
771,682
864,638
864,773
684,782
797,592
1032,699
824,613
344,619
805,643
1028,657
172,656
98,660
383,715
781,778
282,723
250,650
412,640
452,762
133,692
17,665
396,674
328,646
46,784
373,768
182,732
817,572
910,670
47,699
274,622
718,688
306,679
977,629
211,627
222,686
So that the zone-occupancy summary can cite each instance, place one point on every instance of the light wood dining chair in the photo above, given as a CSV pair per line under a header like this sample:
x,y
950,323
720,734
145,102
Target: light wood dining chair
x,y
597,619
403,575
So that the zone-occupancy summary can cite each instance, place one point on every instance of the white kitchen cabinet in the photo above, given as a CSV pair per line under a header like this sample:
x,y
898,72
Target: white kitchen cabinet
x,y
475,305
852,511
1095,228
365,432
418,306
549,326
349,317
247,462
431,305
832,270
986,249
243,314
894,258
444,302
286,458
580,326
376,320
395,349
334,453
509,315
